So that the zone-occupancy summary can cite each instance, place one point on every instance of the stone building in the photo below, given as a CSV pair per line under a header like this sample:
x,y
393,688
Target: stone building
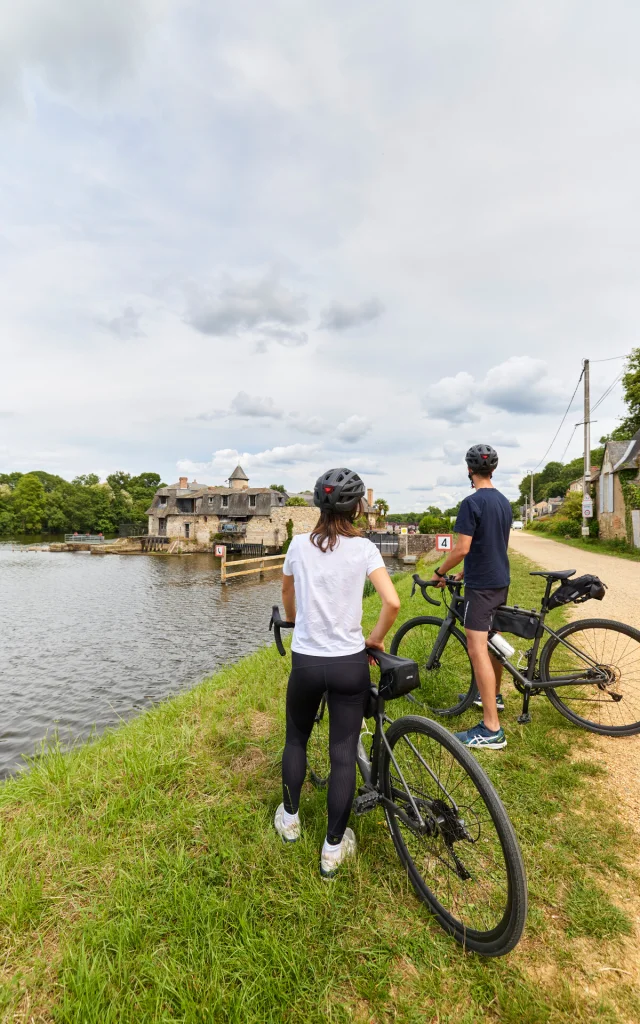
x,y
247,515
610,499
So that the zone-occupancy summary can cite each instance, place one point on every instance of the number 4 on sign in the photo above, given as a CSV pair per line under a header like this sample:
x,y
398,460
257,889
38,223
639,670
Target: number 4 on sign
x,y
444,541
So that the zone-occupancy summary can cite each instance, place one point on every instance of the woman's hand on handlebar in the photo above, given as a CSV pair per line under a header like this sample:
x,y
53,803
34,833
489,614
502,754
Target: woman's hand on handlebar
x,y
378,644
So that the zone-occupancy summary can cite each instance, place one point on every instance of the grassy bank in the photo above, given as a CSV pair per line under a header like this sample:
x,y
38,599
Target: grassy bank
x,y
141,881
620,549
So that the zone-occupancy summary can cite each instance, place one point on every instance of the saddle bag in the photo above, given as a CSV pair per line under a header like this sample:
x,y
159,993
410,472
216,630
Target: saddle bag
x,y
516,620
398,676
583,588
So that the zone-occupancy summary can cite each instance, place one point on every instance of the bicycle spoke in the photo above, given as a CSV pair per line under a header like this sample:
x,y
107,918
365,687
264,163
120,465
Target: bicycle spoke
x,y
450,674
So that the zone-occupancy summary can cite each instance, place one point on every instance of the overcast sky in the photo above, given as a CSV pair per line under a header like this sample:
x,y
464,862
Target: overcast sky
x,y
301,235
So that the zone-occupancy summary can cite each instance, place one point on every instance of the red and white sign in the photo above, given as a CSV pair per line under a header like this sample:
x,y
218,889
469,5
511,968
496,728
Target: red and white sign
x,y
444,541
220,550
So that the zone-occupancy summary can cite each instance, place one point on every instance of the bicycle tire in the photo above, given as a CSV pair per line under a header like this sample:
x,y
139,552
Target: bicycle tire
x,y
497,857
411,642
590,695
318,765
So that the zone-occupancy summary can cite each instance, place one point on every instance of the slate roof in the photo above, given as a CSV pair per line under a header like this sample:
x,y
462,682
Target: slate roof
x,y
239,474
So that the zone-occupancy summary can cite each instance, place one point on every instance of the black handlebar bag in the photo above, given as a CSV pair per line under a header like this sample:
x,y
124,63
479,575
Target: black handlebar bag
x,y
398,676
583,588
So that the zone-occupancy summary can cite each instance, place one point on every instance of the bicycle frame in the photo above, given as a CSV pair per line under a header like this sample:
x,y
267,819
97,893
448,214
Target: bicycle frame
x,y
528,683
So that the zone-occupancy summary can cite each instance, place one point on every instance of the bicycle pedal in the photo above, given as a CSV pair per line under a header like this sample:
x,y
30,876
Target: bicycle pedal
x,y
524,719
365,802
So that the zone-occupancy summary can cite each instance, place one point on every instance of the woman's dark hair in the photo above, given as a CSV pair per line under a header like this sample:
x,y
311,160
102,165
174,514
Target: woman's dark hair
x,y
332,525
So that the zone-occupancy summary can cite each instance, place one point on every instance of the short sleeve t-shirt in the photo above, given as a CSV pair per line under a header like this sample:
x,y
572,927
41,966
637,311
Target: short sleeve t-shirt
x,y
486,516
329,588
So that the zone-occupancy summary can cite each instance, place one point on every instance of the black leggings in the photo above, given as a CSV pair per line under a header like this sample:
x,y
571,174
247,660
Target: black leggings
x,y
346,679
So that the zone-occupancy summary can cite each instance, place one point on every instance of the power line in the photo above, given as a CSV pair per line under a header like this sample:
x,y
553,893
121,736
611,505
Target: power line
x,y
561,421
568,443
607,360
608,391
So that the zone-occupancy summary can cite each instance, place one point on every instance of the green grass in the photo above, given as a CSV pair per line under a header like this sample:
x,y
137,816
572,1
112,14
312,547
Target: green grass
x,y
141,880
618,548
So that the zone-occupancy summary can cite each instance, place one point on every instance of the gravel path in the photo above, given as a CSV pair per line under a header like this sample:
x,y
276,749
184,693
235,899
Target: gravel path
x,y
620,756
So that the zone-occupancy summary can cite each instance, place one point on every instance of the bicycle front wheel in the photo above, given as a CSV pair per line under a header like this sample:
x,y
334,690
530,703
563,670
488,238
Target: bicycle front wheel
x,y
448,687
318,765
605,657
453,836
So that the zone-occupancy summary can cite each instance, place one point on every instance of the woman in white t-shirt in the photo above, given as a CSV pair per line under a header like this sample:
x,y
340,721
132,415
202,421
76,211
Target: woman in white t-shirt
x,y
324,574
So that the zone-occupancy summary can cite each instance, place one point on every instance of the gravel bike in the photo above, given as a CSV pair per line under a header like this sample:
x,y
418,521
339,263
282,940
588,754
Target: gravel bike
x,y
589,668
450,829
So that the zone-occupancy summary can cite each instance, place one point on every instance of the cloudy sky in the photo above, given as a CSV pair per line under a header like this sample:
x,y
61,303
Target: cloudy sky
x,y
299,235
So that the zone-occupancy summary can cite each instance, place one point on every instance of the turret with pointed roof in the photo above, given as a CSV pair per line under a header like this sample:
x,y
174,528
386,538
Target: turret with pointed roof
x,y
239,481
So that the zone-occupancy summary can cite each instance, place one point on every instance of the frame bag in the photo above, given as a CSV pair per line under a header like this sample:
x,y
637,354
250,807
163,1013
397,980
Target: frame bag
x,y
516,620
583,588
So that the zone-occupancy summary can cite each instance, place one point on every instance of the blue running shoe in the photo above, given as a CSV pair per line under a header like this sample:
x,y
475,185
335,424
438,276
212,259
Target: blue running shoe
x,y
499,702
480,736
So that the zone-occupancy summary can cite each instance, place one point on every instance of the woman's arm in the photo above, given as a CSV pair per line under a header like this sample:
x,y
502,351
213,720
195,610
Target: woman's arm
x,y
289,598
389,611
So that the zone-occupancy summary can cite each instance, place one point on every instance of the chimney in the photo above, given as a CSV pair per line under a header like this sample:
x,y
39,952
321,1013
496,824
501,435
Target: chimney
x,y
370,497
184,483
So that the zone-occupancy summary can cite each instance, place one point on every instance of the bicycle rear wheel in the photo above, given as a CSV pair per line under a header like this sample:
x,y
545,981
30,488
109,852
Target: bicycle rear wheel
x,y
318,764
463,858
608,652
448,688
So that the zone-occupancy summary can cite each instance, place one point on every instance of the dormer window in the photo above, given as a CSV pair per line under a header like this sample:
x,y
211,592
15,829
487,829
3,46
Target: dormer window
x,y
225,501
163,499
211,500
252,501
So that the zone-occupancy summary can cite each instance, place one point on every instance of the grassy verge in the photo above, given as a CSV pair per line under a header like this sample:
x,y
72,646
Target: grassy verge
x,y
601,547
141,881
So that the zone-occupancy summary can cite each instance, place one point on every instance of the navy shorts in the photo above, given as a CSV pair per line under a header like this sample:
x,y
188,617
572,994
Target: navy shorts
x,y
481,605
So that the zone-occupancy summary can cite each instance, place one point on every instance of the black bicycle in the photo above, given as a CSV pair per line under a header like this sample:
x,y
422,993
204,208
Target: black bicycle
x,y
589,669
449,827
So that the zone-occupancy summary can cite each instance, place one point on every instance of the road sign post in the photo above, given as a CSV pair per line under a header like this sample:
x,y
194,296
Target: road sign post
x,y
444,541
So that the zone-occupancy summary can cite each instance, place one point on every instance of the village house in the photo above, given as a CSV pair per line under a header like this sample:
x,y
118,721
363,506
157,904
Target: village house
x,y
239,513
613,522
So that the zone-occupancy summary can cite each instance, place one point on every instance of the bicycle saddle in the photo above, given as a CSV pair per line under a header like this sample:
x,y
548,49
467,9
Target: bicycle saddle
x,y
560,574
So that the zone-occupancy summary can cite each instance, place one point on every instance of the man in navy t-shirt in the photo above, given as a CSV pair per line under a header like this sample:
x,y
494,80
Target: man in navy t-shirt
x,y
483,526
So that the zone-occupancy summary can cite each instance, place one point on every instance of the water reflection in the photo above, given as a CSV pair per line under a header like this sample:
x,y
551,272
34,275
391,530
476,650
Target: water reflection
x,y
87,641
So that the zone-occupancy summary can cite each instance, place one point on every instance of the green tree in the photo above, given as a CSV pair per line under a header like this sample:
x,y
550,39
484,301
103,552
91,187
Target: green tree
x,y
285,546
86,480
554,489
631,387
278,487
382,508
295,500
434,524
28,502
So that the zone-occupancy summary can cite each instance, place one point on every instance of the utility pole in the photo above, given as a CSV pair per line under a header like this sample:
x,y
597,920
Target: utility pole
x,y
531,498
587,445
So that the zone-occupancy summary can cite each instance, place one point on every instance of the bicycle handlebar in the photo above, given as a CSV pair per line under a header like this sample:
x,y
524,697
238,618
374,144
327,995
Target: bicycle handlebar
x,y
276,623
423,584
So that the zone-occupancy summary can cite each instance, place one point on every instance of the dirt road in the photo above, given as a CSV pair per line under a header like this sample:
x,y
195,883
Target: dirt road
x,y
620,756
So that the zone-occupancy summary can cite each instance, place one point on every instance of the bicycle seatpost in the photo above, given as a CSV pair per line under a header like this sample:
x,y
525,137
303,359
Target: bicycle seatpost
x,y
276,623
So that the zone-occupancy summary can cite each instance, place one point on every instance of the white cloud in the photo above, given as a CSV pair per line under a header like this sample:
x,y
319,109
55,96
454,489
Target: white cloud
x,y
307,424
255,405
339,316
226,459
500,438
451,398
523,385
127,325
236,306
454,453
353,429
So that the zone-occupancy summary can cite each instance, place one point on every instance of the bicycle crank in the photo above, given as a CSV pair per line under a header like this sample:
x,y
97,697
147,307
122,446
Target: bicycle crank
x,y
366,801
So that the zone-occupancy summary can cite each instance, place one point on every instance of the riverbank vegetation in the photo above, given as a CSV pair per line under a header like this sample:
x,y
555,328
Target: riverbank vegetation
x,y
141,881
39,502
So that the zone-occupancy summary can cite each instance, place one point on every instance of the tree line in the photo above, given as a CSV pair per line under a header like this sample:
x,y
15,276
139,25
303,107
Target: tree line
x,y
40,502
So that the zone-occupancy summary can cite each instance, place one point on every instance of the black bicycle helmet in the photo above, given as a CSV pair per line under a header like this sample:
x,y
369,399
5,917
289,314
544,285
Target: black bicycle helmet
x,y
338,490
481,458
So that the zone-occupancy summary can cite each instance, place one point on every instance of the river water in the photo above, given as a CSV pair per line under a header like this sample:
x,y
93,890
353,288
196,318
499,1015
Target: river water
x,y
87,641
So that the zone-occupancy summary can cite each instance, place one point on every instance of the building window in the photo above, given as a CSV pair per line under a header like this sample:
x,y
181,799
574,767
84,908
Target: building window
x,y
252,501
163,499
211,500
225,501
186,530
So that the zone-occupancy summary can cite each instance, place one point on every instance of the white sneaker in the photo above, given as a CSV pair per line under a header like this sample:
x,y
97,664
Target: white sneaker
x,y
290,833
331,859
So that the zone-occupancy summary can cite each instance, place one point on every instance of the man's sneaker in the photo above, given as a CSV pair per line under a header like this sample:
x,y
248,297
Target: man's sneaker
x,y
331,859
290,833
499,702
480,736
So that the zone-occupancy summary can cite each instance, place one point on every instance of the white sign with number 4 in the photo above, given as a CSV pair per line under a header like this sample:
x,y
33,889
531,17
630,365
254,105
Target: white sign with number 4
x,y
444,541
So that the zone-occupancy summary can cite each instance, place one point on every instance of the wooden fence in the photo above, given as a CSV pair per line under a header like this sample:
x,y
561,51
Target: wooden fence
x,y
257,563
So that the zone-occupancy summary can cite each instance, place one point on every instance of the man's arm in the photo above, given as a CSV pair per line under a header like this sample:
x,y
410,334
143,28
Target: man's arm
x,y
455,556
